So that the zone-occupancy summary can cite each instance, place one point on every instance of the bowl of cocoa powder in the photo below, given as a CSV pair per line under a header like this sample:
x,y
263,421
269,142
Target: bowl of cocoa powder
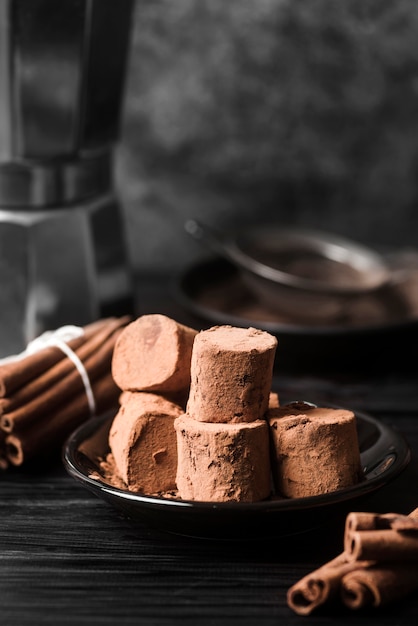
x,y
307,275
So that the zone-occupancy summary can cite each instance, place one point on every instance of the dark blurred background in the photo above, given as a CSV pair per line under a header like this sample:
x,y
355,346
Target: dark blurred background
x,y
299,112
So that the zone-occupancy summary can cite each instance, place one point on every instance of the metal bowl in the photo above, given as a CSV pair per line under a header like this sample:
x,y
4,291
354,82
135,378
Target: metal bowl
x,y
307,275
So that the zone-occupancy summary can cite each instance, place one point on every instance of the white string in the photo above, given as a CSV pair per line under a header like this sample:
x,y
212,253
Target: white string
x,y
81,370
64,333
59,338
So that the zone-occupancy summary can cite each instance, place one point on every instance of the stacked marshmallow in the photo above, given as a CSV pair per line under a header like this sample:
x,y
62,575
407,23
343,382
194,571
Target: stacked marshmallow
x,y
197,417
223,437
151,366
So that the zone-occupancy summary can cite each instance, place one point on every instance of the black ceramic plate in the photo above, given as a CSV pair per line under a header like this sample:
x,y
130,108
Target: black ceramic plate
x,y
384,454
213,292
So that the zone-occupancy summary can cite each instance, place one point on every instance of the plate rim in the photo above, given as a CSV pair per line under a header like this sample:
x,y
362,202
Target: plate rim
x,y
399,447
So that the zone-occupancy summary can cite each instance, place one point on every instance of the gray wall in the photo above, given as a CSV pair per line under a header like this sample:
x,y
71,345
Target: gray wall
x,y
302,113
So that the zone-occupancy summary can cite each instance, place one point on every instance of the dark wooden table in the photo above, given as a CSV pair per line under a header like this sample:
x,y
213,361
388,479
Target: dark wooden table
x,y
67,557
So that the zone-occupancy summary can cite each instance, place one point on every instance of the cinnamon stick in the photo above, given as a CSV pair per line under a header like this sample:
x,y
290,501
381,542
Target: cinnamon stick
x,y
379,584
94,337
320,586
47,392
95,365
4,461
50,431
382,545
16,373
358,583
378,521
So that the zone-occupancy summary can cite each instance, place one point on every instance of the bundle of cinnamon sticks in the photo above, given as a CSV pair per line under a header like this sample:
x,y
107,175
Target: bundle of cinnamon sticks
x,y
46,393
379,565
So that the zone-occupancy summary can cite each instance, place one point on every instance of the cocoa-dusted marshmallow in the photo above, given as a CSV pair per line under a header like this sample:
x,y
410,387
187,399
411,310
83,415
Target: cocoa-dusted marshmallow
x,y
222,462
153,353
274,401
142,440
231,374
314,450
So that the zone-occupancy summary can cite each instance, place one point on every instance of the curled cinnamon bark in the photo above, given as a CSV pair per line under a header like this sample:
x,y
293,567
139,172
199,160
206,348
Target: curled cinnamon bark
x,y
65,387
382,545
379,584
49,432
47,395
356,521
16,373
4,461
320,586
360,582
95,336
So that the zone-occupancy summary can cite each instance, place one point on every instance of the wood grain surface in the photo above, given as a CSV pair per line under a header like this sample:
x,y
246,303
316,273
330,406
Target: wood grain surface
x,y
67,557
